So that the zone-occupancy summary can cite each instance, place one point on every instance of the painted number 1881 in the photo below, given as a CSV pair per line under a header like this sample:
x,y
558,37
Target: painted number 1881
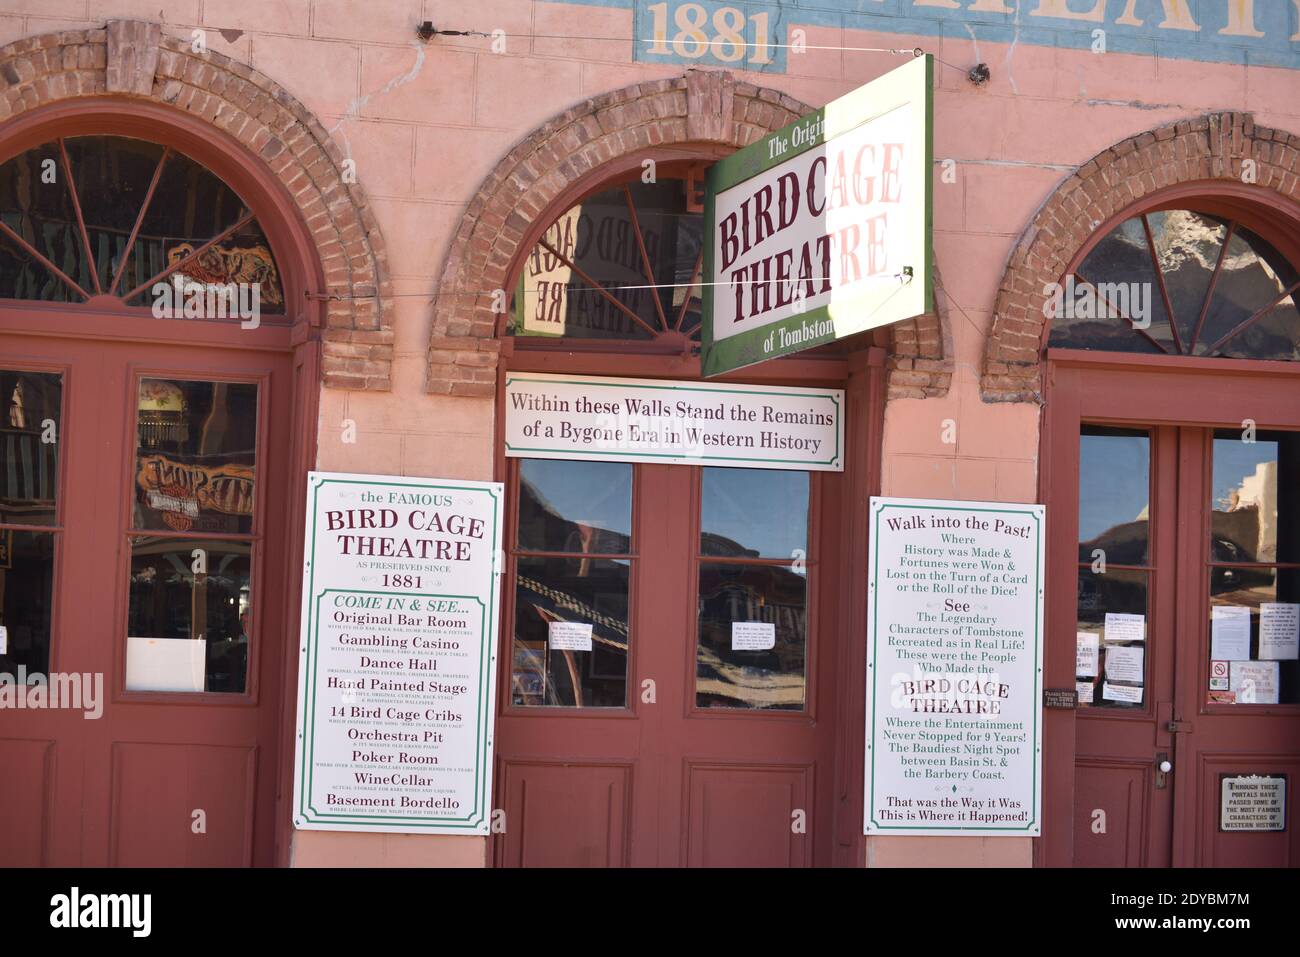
x,y
693,32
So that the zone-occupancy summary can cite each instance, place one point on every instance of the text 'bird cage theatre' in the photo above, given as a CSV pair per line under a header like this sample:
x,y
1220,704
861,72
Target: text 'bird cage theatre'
x,y
614,433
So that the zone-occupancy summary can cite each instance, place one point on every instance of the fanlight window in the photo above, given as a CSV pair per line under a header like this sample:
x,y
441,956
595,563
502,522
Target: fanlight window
x,y
89,216
623,263
1180,282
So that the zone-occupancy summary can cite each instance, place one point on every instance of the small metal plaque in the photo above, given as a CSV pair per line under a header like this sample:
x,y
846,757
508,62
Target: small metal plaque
x,y
1060,698
1252,803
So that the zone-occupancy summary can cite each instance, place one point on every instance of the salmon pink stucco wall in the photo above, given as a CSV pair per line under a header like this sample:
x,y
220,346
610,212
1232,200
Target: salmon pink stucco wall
x,y
426,124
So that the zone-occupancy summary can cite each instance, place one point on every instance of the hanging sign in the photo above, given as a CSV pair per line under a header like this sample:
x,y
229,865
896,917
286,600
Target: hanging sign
x,y
396,681
822,229
954,668
673,423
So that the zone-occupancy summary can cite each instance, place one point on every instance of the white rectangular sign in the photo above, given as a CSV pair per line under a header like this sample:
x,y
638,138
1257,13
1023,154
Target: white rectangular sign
x,y
396,687
753,635
1279,630
1229,632
670,422
1125,627
1086,647
1124,663
569,635
1253,803
1253,682
954,668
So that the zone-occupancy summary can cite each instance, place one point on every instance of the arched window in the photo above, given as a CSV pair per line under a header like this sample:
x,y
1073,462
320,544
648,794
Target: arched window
x,y
1181,282
85,217
623,263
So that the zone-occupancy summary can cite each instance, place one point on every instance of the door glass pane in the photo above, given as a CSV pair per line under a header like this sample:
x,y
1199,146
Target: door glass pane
x,y
1256,505
196,450
29,446
1111,665
1254,622
575,506
752,649
571,632
1114,495
190,625
26,596
754,513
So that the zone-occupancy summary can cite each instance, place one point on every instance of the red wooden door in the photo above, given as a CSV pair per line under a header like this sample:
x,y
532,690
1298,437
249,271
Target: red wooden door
x,y
1240,505
171,501
1123,806
705,754
1195,511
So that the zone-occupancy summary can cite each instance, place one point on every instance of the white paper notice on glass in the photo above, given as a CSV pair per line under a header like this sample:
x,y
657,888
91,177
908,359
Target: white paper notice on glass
x,y
1121,693
1085,654
569,635
1124,663
166,664
4,640
1084,690
1279,631
753,635
1122,627
1254,682
1229,632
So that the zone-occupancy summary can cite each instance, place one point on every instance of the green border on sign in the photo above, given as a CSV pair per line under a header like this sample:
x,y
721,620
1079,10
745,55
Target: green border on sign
x,y
477,815
833,461
1033,824
719,356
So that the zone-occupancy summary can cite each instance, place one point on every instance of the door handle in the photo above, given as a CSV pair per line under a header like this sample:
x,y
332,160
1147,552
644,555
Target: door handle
x,y
1163,767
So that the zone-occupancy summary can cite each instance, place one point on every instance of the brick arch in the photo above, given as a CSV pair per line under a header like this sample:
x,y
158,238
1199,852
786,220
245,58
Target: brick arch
x,y
706,107
1203,149
133,58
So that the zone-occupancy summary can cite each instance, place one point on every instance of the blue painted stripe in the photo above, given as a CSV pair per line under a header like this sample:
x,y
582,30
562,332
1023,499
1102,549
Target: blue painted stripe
x,y
1277,20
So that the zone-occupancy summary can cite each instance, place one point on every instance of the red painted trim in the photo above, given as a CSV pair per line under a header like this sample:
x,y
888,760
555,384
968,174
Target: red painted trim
x,y
81,221
866,394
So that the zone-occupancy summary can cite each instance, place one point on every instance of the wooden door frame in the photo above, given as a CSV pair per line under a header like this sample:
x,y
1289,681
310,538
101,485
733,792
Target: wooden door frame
x,y
299,334
863,376
1121,389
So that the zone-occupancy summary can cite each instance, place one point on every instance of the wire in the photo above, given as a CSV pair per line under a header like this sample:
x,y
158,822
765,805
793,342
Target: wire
x,y
913,52
902,278
744,44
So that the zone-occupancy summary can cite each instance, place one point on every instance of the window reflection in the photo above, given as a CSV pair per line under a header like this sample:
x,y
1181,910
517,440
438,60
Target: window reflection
x,y
592,274
29,446
1114,495
31,406
26,600
1106,659
756,513
1254,613
760,665
1250,522
575,506
1231,291
189,624
584,667
196,451
570,645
